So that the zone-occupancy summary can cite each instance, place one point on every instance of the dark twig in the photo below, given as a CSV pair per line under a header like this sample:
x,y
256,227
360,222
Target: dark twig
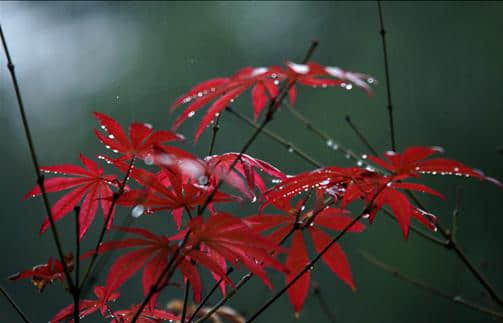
x,y
386,70
361,136
329,141
211,292
14,305
288,145
40,177
323,303
426,287
185,301
216,127
455,214
76,292
115,198
452,244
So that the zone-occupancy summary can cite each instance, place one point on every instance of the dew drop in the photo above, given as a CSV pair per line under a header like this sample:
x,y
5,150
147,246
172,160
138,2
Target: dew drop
x,y
349,86
456,169
325,182
370,80
137,211
335,146
359,163
111,136
191,114
364,156
366,216
276,181
148,125
149,160
290,149
347,156
115,151
330,143
202,180
276,82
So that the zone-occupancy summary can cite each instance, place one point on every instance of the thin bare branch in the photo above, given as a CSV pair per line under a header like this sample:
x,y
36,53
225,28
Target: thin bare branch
x,y
435,291
14,305
382,32
36,165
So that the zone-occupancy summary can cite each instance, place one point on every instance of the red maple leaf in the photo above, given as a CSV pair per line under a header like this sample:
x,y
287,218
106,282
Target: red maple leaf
x,y
141,142
316,75
44,274
87,307
152,254
335,258
172,190
148,315
89,183
224,236
415,161
350,184
265,83
220,167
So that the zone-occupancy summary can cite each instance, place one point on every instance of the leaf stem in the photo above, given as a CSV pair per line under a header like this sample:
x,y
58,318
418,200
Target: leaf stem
x,y
288,145
40,177
435,291
185,301
76,292
323,303
360,135
14,305
211,292
216,127
329,141
382,32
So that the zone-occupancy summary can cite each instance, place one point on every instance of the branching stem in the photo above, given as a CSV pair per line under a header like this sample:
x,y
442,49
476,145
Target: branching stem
x,y
435,291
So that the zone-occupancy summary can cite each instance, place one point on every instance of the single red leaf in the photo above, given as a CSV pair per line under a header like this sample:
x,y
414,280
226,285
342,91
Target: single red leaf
x,y
296,261
335,258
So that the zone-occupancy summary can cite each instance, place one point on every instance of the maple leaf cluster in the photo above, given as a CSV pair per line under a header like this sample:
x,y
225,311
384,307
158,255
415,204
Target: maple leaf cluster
x,y
173,181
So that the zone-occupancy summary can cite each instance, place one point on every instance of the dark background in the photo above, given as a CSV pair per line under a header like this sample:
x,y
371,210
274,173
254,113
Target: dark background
x,y
132,60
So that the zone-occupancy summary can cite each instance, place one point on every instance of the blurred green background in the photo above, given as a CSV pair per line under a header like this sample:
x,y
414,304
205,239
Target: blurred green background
x,y
133,59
